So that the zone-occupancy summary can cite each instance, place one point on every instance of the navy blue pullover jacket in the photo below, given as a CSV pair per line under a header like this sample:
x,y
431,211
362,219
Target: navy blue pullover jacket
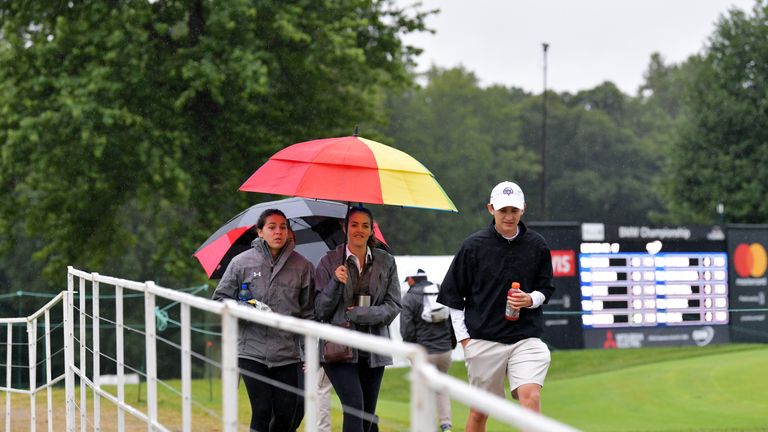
x,y
483,271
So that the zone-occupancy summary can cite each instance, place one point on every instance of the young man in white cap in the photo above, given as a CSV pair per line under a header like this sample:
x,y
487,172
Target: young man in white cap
x,y
426,322
476,289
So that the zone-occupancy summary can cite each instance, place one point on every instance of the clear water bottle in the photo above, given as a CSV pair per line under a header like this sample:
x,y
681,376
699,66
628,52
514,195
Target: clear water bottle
x,y
512,314
245,293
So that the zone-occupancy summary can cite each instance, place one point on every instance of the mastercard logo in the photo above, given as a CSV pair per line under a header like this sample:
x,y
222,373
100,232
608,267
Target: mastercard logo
x,y
750,260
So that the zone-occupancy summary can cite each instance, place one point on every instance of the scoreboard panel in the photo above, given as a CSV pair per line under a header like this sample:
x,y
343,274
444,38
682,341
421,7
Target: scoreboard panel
x,y
665,289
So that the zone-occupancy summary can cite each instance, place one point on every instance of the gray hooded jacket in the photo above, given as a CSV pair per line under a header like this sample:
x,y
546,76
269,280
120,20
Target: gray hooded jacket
x,y
435,337
285,285
332,298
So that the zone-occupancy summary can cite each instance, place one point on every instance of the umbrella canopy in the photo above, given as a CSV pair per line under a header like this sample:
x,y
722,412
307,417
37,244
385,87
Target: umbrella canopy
x,y
316,224
351,169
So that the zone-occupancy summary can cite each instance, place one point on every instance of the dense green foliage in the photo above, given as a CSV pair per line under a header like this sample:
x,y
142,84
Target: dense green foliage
x,y
465,135
127,127
602,155
722,155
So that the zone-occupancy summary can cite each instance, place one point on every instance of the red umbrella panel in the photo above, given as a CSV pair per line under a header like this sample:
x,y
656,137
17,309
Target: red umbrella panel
x,y
350,169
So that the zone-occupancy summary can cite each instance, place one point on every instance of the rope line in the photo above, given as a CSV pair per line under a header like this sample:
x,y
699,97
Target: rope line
x,y
198,328
126,327
15,366
169,342
48,333
164,383
52,355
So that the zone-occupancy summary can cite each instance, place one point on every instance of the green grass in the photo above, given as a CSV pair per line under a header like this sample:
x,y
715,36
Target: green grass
x,y
717,388
681,389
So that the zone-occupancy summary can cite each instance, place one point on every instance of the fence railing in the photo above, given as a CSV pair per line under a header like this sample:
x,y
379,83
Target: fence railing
x,y
32,324
82,366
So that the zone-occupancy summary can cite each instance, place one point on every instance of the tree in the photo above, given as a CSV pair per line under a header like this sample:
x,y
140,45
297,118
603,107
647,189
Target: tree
x,y
721,155
127,127
598,169
602,158
467,137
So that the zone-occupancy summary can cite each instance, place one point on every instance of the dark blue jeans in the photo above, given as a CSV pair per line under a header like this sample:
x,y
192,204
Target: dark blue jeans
x,y
357,386
273,408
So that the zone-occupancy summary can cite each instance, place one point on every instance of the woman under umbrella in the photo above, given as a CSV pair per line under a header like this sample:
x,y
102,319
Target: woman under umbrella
x,y
274,277
364,292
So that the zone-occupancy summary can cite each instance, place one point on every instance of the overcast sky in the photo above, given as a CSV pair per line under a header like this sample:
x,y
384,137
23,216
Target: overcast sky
x,y
590,41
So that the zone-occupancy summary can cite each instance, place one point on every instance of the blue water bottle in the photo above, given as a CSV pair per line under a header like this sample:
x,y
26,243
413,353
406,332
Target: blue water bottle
x,y
245,294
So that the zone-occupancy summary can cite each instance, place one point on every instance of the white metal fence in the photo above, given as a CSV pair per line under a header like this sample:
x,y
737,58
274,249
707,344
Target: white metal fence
x,y
14,344
83,355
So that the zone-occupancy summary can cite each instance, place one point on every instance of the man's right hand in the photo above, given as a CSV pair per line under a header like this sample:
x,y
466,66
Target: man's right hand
x,y
464,342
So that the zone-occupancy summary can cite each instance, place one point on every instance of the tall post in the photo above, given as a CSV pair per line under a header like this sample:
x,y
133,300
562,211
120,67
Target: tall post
x,y
96,341
69,351
186,369
545,47
310,383
32,353
120,348
49,390
9,375
423,398
229,369
83,361
150,339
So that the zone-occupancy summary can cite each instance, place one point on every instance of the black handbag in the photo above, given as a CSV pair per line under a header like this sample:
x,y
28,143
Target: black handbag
x,y
335,352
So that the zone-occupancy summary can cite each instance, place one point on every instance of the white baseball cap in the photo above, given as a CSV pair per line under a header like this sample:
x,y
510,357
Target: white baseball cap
x,y
418,273
507,194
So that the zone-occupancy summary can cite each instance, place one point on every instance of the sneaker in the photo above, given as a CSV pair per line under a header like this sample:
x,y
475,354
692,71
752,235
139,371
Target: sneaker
x,y
446,428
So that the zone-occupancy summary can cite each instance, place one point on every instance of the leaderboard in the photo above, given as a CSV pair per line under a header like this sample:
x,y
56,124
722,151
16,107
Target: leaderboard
x,y
634,289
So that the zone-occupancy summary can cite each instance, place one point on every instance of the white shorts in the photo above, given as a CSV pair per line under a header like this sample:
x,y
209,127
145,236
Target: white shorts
x,y
525,362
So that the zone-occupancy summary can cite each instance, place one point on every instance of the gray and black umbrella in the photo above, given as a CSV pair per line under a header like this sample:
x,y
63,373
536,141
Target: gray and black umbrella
x,y
316,224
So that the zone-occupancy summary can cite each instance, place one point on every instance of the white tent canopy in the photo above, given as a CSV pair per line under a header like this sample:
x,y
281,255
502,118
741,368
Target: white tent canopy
x,y
436,266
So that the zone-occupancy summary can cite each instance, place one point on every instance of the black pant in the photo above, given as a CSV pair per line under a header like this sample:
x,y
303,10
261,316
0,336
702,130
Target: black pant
x,y
357,386
273,408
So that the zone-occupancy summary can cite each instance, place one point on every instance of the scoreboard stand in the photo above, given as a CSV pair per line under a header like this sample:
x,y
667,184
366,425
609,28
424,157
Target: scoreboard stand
x,y
643,286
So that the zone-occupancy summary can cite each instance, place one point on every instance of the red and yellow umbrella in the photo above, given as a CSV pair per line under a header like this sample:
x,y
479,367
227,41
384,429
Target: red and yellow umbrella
x,y
352,169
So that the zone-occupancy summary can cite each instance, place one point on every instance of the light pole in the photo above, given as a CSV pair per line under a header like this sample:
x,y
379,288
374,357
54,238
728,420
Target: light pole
x,y
545,47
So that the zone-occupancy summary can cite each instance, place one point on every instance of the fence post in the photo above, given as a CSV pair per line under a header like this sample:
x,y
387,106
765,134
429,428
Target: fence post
x,y
8,375
186,370
83,360
229,368
151,346
119,347
48,366
423,401
311,357
96,352
69,350
32,354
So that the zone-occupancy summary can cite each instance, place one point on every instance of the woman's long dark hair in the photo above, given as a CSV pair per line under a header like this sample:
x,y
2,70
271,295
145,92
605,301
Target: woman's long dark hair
x,y
372,240
267,213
